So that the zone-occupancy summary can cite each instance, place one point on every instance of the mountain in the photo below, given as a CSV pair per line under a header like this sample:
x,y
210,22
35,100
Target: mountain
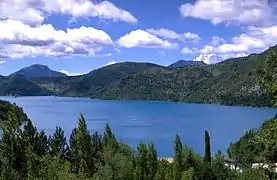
x,y
231,82
20,86
183,63
89,84
37,70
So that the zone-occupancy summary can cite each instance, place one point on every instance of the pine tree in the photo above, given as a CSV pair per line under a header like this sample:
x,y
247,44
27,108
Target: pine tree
x,y
57,142
109,139
141,171
73,152
178,157
152,161
12,146
97,148
41,147
207,157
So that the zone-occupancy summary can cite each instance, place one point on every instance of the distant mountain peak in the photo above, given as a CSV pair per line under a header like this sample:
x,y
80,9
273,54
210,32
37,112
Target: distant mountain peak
x,y
38,70
183,63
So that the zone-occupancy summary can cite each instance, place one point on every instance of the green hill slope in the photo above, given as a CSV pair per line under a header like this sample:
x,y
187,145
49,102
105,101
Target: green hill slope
x,y
231,82
19,85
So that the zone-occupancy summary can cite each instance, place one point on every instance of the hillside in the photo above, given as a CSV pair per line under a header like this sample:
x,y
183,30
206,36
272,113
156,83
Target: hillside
x,y
20,86
231,82
37,70
183,63
89,84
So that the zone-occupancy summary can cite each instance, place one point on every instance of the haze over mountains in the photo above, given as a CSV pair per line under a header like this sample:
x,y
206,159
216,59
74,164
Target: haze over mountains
x,y
232,82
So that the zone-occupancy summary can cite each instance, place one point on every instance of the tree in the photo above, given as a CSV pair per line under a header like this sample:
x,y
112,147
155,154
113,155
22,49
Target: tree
x,y
268,80
12,146
178,157
83,148
189,174
141,163
152,161
109,139
207,157
73,152
57,142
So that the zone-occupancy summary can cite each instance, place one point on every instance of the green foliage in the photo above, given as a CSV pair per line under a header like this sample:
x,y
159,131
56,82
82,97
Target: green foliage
x,y
57,143
269,80
208,156
256,146
27,154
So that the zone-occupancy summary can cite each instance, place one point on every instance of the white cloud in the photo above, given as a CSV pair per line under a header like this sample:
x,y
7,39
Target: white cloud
x,y
70,73
217,40
187,50
141,38
254,40
249,12
169,34
192,36
110,63
2,62
19,40
33,12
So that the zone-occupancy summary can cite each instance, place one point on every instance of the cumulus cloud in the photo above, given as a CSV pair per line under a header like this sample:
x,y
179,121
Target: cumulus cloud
x,y
169,34
141,38
20,40
254,40
110,63
70,73
249,12
33,12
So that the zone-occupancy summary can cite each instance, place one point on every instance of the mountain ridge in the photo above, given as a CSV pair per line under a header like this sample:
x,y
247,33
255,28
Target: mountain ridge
x,y
183,63
38,70
231,82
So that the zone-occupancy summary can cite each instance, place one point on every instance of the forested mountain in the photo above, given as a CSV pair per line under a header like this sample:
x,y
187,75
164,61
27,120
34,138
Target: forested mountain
x,y
233,82
183,63
38,70
18,85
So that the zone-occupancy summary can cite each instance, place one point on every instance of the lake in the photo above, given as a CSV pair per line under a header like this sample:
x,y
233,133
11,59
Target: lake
x,y
135,121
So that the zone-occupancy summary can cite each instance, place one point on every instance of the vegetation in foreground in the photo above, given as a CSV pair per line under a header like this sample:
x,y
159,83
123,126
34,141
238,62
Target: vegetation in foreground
x,y
29,154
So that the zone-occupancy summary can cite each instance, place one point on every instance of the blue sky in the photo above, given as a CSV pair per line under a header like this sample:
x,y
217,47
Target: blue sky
x,y
76,36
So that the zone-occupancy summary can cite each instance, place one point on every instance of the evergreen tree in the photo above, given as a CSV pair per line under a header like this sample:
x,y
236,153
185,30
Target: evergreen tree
x,y
57,142
73,152
109,139
12,146
84,148
152,161
207,157
41,146
97,147
178,157
141,171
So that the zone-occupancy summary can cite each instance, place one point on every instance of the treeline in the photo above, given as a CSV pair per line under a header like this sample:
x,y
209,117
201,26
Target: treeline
x,y
26,153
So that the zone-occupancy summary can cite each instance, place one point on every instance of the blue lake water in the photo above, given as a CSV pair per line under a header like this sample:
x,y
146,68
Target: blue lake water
x,y
135,121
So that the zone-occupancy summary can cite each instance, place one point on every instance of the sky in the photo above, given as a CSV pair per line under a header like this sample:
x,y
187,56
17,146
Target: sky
x,y
77,36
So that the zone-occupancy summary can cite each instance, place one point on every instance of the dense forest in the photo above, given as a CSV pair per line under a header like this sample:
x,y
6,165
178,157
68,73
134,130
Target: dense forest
x,y
26,153
231,82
